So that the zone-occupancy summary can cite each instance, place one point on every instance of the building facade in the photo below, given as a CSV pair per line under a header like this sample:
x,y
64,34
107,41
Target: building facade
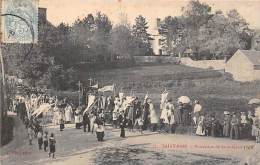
x,y
156,43
244,65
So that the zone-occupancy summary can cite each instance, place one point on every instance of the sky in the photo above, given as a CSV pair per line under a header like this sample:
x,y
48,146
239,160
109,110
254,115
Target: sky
x,y
69,10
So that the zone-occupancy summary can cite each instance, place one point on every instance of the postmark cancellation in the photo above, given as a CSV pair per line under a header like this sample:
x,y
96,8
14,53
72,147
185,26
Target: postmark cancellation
x,y
19,21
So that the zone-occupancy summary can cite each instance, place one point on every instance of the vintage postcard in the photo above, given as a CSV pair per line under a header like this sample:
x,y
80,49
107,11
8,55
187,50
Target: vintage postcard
x,y
130,82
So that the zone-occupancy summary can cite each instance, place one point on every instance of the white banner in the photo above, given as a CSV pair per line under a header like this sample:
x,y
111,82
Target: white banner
x,y
42,109
94,86
164,96
91,101
107,88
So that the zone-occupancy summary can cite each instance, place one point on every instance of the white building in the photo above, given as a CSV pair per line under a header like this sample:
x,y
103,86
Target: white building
x,y
157,39
244,65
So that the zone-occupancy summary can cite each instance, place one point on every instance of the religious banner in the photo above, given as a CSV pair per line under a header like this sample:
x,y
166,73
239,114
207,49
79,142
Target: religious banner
x,y
108,88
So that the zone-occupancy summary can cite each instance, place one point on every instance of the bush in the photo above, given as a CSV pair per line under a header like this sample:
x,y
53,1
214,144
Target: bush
x,y
63,79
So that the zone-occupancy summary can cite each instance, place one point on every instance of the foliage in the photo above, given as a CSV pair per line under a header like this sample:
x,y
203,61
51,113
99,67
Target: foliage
x,y
208,35
141,37
171,31
63,79
122,42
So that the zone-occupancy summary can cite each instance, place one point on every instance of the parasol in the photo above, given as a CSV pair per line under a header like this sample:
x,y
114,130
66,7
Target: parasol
x,y
254,101
184,99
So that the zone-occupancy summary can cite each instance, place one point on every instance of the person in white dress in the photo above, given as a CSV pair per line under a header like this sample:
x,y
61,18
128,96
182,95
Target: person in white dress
x,y
196,111
68,114
77,118
55,115
201,126
165,116
117,103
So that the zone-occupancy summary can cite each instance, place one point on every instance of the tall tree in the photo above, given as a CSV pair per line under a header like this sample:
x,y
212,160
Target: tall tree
x,y
101,37
171,30
121,42
141,36
222,35
196,14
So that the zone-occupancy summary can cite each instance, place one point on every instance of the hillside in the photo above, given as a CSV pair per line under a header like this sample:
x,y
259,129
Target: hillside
x,y
214,89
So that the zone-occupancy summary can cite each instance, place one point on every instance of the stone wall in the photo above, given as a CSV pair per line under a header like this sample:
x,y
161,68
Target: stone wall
x,y
156,59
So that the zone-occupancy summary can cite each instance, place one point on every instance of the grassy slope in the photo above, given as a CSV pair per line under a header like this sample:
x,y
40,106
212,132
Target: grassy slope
x,y
215,90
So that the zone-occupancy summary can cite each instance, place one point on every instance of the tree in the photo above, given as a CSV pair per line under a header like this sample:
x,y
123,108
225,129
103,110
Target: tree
x,y
241,28
121,42
141,36
222,35
171,31
100,40
195,14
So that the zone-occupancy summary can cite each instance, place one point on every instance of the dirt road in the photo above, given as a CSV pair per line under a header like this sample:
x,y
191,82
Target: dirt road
x,y
77,147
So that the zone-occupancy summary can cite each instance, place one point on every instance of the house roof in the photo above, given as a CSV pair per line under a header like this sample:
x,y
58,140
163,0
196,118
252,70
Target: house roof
x,y
252,55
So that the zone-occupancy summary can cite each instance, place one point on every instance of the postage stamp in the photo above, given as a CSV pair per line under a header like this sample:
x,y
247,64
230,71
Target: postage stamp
x,y
19,21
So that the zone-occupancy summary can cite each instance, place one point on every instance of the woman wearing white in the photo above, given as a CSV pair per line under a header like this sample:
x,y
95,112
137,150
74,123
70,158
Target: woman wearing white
x,y
68,113
165,116
77,118
117,103
201,126
197,109
55,115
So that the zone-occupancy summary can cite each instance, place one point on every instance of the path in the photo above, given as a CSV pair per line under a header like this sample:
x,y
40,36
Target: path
x,y
76,147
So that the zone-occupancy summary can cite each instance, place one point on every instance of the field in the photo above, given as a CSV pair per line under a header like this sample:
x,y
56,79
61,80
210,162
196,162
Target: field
x,y
216,90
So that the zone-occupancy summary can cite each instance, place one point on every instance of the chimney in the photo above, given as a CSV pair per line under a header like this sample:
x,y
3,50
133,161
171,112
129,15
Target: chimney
x,y
42,15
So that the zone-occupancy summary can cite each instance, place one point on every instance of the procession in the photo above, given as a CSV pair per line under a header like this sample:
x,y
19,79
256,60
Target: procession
x,y
130,82
103,108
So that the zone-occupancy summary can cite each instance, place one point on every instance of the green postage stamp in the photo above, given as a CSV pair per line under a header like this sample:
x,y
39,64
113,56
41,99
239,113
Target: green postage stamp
x,y
19,21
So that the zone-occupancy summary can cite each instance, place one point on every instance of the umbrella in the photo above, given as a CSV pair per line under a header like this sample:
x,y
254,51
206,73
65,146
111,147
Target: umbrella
x,y
184,99
254,101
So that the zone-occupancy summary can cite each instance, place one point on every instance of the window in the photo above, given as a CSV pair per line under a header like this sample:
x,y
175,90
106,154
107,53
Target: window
x,y
160,52
159,42
256,67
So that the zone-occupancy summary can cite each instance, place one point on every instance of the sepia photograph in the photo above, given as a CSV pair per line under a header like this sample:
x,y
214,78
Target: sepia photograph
x,y
130,82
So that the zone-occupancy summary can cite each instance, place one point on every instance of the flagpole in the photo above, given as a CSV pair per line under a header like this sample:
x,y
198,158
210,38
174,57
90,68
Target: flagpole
x,y
79,92
114,89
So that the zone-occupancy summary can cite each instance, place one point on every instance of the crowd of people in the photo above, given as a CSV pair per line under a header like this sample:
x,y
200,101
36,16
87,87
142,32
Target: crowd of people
x,y
131,113
34,123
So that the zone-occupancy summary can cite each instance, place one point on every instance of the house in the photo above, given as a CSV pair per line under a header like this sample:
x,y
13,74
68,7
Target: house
x,y
244,65
156,43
